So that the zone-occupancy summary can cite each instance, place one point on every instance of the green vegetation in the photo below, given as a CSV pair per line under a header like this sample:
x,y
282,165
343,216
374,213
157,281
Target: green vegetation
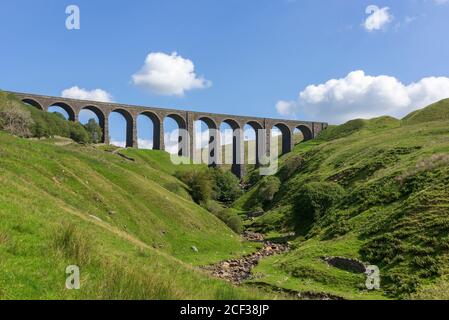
x,y
26,121
434,112
213,188
94,130
373,190
139,226
226,187
126,221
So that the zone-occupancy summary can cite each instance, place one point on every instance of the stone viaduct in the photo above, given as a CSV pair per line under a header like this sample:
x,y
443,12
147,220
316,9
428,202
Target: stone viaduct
x,y
185,120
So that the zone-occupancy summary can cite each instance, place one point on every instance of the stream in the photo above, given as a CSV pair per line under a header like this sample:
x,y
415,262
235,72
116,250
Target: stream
x,y
239,270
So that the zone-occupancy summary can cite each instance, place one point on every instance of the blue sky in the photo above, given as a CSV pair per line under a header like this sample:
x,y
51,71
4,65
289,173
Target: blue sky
x,y
250,57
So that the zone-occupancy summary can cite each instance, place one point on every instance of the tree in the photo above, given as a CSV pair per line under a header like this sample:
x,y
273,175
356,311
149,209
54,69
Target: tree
x,y
15,120
226,185
315,199
94,130
268,189
199,183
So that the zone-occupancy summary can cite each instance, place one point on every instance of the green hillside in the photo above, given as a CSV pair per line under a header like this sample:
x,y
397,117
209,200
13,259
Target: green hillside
x,y
120,215
438,111
374,190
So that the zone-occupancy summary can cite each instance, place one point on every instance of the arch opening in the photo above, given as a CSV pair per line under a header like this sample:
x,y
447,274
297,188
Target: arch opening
x,y
207,141
281,135
63,109
121,128
148,131
176,139
232,146
302,133
91,114
253,136
33,103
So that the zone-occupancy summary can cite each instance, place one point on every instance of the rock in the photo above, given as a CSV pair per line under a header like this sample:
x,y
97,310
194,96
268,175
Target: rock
x,y
347,264
194,249
255,214
239,270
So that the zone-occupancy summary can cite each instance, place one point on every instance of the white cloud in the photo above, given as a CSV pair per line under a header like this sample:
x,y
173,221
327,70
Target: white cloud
x,y
168,75
378,18
121,144
145,144
362,96
83,94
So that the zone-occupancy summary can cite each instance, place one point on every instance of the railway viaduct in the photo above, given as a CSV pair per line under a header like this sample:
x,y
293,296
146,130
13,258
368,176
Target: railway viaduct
x,y
185,120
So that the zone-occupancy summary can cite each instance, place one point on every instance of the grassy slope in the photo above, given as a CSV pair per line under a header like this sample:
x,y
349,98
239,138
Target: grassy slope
x,y
137,221
394,213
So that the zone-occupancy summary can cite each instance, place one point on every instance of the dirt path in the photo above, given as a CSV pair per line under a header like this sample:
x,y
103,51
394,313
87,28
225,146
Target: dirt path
x,y
239,270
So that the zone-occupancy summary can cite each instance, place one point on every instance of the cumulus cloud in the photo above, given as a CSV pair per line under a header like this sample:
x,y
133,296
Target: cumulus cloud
x,y
145,144
83,94
362,96
168,75
377,18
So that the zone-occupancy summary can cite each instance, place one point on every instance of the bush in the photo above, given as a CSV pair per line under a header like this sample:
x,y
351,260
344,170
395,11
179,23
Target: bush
x,y
94,131
251,179
290,167
230,218
226,186
79,134
315,199
15,119
199,183
268,189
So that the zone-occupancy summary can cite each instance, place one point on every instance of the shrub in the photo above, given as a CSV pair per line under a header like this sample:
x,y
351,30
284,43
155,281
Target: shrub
x,y
15,119
290,167
94,131
232,220
268,189
199,183
252,178
315,199
79,134
226,186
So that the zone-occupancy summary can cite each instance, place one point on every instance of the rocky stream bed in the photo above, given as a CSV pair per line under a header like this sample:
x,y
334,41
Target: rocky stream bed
x,y
239,270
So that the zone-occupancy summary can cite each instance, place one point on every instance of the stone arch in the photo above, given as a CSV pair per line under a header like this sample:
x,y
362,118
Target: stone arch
x,y
33,103
306,132
209,122
129,125
101,118
286,137
157,134
183,137
260,137
238,147
214,140
66,107
179,120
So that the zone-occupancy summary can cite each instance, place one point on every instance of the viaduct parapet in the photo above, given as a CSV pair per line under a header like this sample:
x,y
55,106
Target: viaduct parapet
x,y
185,120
